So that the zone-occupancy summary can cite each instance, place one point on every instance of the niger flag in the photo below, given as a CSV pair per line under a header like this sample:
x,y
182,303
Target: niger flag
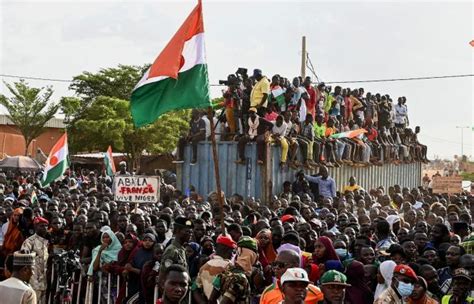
x,y
178,78
57,162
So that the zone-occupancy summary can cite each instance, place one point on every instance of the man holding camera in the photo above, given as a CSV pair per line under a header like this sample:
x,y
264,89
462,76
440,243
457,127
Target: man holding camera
x,y
38,244
232,100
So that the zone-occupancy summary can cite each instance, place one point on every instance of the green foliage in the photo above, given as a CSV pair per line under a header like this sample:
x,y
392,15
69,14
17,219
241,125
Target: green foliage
x,y
468,176
28,109
100,115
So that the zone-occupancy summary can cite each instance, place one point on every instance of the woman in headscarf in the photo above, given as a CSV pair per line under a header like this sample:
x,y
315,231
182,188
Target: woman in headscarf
x,y
103,254
266,253
150,272
324,250
125,255
395,224
384,277
13,238
358,292
193,253
134,268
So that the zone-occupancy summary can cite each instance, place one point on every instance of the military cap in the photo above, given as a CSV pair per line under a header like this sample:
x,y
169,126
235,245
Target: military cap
x,y
248,242
182,222
334,277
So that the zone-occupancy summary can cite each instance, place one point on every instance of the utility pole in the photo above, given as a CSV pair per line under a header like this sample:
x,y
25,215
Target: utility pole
x,y
303,57
462,138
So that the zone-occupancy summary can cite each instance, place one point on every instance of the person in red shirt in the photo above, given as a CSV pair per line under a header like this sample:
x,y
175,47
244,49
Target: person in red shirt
x,y
372,135
311,101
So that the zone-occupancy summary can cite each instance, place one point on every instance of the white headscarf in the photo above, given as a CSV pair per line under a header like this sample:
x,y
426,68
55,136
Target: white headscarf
x,y
386,269
392,219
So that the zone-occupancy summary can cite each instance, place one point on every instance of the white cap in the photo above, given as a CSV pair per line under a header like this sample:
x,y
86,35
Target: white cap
x,y
294,275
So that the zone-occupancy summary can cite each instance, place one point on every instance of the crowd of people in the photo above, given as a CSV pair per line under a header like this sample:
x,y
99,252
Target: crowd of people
x,y
314,125
394,245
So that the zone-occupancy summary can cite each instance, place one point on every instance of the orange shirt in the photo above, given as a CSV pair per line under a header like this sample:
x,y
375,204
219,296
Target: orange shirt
x,y
330,131
273,295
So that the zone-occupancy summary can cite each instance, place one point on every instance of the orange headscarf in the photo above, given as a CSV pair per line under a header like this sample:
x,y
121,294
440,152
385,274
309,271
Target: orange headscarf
x,y
13,237
269,251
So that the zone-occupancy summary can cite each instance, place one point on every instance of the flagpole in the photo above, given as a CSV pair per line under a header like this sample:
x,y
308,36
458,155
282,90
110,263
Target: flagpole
x,y
216,168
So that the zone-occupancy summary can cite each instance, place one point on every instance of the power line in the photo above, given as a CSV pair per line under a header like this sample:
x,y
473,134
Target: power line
x,y
311,69
404,79
35,78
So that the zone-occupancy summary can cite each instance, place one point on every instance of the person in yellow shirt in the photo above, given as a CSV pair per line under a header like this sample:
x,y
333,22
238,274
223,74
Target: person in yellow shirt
x,y
259,94
352,185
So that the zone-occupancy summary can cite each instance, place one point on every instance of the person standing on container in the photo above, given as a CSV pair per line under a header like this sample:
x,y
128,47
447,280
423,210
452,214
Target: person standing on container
x,y
259,94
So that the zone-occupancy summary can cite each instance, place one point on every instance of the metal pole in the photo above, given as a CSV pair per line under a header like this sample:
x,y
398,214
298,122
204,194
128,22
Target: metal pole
x,y
462,138
303,57
108,288
79,288
155,294
100,287
86,298
72,285
216,169
118,285
52,281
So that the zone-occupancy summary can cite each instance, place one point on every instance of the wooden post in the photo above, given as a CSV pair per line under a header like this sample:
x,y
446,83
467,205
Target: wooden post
x,y
216,168
303,57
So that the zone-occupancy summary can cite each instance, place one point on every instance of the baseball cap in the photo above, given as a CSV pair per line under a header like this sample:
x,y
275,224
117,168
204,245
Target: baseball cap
x,y
257,72
334,277
294,275
226,241
287,218
40,220
462,273
406,271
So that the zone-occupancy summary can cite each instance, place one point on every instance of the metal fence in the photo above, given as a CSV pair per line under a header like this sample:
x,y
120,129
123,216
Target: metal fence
x,y
264,181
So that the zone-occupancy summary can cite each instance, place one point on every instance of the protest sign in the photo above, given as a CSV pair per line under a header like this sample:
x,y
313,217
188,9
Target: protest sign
x,y
447,184
137,189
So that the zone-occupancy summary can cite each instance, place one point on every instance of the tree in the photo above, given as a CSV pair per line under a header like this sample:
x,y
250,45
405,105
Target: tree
x,y
28,109
100,116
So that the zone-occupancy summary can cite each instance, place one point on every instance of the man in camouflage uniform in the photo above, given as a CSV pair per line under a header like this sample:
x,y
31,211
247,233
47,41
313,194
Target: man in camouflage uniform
x,y
38,244
175,253
233,285
202,287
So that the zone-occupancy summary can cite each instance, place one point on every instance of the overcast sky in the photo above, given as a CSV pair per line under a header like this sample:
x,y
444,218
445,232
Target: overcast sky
x,y
345,40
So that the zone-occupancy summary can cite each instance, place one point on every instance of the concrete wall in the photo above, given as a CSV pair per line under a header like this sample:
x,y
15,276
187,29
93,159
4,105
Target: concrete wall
x,y
12,142
267,180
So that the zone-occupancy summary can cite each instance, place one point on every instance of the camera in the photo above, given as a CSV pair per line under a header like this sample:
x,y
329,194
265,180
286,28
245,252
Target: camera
x,y
232,80
241,71
65,264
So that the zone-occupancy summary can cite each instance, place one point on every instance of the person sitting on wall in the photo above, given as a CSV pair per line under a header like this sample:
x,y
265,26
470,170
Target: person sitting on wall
x,y
258,126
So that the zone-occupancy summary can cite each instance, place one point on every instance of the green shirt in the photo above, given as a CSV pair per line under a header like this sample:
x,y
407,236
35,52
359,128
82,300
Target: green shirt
x,y
319,131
